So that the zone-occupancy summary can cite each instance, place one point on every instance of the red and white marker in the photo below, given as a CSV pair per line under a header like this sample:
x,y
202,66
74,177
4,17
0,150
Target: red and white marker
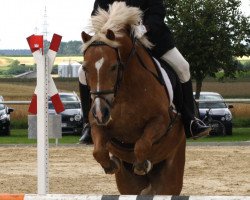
x,y
39,105
36,46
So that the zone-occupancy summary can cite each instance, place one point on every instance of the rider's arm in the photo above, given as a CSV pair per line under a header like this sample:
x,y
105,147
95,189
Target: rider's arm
x,y
154,15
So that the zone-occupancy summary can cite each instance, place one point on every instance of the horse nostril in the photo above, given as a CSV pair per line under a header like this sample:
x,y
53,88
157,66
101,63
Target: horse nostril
x,y
101,111
105,112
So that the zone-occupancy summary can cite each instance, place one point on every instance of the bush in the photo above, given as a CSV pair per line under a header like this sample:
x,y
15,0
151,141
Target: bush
x,y
16,68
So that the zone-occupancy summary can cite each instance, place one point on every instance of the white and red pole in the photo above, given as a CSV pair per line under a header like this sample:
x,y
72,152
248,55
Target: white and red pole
x,y
39,104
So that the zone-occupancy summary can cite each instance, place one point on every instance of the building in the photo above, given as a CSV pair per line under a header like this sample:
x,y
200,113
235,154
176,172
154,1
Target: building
x,y
68,69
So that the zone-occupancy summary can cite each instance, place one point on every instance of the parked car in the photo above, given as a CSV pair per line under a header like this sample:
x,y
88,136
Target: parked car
x,y
219,110
72,117
5,119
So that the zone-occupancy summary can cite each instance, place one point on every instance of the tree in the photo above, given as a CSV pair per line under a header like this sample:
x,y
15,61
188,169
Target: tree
x,y
16,68
210,34
66,48
70,48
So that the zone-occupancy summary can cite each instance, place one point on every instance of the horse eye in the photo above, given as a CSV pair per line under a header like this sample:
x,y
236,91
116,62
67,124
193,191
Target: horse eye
x,y
84,68
113,67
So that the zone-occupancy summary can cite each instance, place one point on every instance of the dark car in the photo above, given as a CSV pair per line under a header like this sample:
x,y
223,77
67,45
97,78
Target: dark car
x,y
72,117
5,119
219,110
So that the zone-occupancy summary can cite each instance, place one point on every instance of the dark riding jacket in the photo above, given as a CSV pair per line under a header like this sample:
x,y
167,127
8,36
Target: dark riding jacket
x,y
153,19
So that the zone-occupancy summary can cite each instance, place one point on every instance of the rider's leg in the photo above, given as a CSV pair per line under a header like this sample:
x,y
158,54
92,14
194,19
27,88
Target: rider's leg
x,y
192,126
85,103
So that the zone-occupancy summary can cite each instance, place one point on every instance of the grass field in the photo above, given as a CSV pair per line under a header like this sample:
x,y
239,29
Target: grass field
x,y
239,134
28,60
20,136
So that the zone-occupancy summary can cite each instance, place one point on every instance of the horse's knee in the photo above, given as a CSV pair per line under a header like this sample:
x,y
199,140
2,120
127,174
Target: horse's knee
x,y
110,164
142,149
99,155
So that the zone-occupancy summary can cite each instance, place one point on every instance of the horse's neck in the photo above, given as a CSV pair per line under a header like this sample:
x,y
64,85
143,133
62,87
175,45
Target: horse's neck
x,y
136,72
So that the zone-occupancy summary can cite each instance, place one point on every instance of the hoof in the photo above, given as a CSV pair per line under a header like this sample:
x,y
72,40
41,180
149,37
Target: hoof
x,y
148,190
143,168
115,165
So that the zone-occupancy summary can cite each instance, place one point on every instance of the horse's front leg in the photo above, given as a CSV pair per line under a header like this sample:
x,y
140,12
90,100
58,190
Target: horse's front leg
x,y
101,154
152,132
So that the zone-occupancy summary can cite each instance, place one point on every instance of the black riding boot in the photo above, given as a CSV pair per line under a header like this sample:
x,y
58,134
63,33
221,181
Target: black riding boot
x,y
85,101
193,126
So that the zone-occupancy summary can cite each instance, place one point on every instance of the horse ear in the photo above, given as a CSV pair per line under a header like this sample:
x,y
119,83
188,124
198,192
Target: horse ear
x,y
110,34
85,37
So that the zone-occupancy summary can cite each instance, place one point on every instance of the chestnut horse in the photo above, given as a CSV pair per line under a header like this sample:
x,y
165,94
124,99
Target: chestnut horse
x,y
132,126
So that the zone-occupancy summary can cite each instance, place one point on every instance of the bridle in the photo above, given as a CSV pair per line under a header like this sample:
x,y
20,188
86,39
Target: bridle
x,y
121,66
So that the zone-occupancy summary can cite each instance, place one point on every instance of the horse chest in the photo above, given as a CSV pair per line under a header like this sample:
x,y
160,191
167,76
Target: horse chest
x,y
127,125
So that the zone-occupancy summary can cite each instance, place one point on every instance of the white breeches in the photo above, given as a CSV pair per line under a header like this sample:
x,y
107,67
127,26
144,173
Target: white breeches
x,y
174,58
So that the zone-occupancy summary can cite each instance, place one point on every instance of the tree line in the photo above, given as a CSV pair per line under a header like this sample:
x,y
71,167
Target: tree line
x,y
70,48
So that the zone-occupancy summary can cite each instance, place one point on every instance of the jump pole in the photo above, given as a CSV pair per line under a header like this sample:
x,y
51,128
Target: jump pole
x,y
39,104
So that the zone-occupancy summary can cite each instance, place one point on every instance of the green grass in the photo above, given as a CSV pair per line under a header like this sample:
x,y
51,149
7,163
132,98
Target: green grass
x,y
239,135
241,122
20,136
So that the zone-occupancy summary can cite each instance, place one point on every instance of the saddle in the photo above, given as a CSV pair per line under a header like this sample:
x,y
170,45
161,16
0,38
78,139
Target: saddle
x,y
177,98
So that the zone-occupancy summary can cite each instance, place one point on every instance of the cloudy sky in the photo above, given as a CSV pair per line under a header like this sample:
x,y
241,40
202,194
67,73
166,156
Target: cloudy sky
x,y
22,18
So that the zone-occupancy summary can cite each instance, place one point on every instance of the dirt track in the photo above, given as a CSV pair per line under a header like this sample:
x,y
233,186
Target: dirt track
x,y
209,171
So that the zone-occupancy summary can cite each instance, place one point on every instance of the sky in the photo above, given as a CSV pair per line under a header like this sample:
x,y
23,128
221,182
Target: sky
x,y
22,18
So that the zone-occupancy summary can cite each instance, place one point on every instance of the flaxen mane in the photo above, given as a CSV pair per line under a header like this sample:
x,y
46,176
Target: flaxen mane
x,y
116,19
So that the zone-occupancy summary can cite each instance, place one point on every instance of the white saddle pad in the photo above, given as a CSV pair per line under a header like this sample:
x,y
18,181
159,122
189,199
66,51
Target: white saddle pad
x,y
167,83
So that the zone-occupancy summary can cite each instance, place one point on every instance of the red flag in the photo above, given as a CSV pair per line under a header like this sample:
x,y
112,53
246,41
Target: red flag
x,y
35,42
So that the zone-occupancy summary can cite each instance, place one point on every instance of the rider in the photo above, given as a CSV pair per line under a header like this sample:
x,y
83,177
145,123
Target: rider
x,y
159,34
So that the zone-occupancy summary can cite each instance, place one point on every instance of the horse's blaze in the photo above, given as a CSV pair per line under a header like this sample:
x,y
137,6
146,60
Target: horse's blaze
x,y
101,112
98,66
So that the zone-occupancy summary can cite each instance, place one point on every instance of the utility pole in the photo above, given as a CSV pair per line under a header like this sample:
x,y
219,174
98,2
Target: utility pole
x,y
45,24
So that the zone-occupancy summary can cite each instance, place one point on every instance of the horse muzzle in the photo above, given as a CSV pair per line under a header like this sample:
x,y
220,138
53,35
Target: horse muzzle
x,y
101,111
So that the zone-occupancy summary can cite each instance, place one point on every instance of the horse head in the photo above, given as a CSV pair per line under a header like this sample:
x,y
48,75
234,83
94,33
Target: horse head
x,y
106,54
102,67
